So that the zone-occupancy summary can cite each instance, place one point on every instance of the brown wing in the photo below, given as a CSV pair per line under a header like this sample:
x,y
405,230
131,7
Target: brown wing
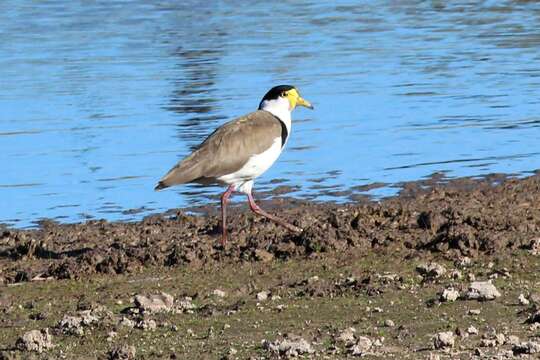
x,y
227,149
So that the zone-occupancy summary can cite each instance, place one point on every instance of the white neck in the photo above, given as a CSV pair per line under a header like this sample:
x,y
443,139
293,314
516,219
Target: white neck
x,y
279,108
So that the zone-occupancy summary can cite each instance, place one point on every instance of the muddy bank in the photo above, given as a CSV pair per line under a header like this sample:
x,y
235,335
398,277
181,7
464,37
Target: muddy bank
x,y
464,217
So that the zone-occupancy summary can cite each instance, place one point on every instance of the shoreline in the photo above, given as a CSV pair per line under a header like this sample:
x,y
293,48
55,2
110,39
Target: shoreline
x,y
463,217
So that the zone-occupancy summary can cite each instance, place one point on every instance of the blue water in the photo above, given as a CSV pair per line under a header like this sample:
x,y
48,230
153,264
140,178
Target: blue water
x,y
99,99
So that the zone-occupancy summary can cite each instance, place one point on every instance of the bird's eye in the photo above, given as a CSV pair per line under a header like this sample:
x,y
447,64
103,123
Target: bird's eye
x,y
284,94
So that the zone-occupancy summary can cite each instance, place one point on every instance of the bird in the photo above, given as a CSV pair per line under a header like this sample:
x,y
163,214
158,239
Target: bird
x,y
241,150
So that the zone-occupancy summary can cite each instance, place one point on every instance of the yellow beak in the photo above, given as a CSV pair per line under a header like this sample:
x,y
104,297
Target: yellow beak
x,y
302,102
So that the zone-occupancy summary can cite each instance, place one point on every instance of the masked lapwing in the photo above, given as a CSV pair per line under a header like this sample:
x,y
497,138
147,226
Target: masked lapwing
x,y
239,151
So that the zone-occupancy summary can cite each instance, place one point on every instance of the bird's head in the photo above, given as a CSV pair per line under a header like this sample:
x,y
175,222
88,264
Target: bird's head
x,y
284,96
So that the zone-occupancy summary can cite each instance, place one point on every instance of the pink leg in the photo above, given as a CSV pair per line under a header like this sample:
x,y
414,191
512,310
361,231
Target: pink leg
x,y
224,199
257,210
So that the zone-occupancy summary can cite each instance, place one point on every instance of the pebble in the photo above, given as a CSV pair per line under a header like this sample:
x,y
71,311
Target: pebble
x,y
472,330
154,303
347,336
262,296
147,324
290,346
528,347
123,352
362,346
474,312
219,293
482,291
523,300
35,340
449,295
444,340
389,323
431,270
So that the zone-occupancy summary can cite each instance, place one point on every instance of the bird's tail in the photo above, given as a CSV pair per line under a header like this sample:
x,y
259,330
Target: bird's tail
x,y
160,185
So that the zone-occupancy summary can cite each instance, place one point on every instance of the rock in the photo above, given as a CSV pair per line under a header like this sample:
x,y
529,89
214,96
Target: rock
x,y
488,343
472,330
219,293
74,325
347,336
126,322
473,312
444,340
362,346
154,303
534,246
431,270
35,340
290,346
389,323
124,352
449,295
147,324
186,305
482,291
528,347
377,310
262,296
534,318
513,340
456,274
523,300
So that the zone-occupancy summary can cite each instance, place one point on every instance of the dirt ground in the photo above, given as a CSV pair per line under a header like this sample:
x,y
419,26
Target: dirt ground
x,y
441,271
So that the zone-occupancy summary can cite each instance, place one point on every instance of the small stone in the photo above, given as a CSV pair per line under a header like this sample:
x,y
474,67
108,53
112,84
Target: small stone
x,y
232,352
35,340
482,291
154,303
313,279
534,246
226,326
431,270
219,293
464,262
347,336
456,274
472,330
147,324
362,346
389,323
523,300
126,322
513,340
123,352
377,310
444,340
528,347
186,305
534,318
474,312
74,325
262,296
500,338
488,343
291,346
449,295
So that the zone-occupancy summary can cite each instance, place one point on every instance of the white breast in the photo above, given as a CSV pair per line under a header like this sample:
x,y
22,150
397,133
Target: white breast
x,y
254,167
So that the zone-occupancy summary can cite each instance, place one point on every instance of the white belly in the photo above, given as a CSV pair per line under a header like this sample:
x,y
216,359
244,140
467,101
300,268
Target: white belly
x,y
255,166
